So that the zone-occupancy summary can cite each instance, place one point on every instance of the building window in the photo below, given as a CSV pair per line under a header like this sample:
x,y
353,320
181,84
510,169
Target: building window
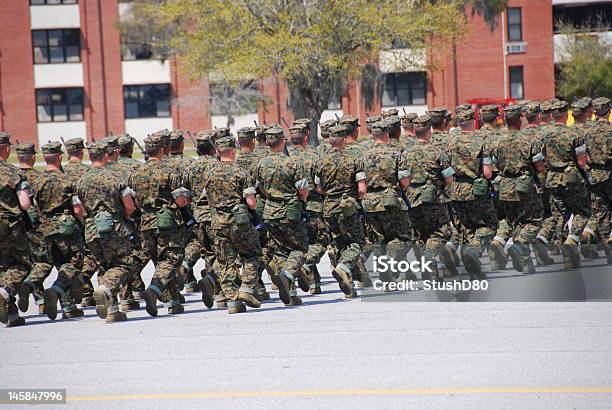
x,y
404,89
515,26
59,104
334,102
517,90
145,101
132,51
52,2
56,46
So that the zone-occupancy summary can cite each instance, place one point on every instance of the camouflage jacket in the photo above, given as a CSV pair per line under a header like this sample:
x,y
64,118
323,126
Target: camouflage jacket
x,y
467,153
599,145
560,146
10,183
407,141
535,136
54,198
194,180
355,150
441,139
324,148
131,162
226,187
31,175
337,173
490,136
278,177
380,163
309,159
426,166
74,170
516,153
179,163
247,162
120,170
153,184
101,191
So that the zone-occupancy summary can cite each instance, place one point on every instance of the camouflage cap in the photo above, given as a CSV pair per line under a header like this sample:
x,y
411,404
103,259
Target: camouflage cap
x,y
301,121
561,106
491,108
437,115
379,127
390,113
75,144
325,126
409,117
423,121
26,148
465,115
52,148
298,128
203,135
349,121
532,107
163,135
339,131
177,136
513,111
125,141
246,133
601,104
374,118
392,122
226,142
581,106
275,133
5,138
221,132
98,147
111,140
260,130
586,100
462,107
546,107
154,141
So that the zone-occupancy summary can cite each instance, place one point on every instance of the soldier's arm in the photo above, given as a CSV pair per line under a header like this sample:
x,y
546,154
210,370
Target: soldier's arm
x,y
24,192
403,173
447,171
485,162
301,182
361,179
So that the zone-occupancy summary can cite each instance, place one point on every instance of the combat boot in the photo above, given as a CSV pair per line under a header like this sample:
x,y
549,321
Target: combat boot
x,y
41,309
342,275
72,313
315,289
127,305
447,256
192,287
249,299
528,266
587,249
235,306
284,282
471,261
4,301
176,309
303,278
541,252
88,301
351,295
51,297
104,298
262,294
516,254
221,304
15,320
150,297
295,301
24,296
116,316
207,287
497,255
77,289
571,252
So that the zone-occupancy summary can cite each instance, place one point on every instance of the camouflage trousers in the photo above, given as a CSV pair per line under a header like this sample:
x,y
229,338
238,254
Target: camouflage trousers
x,y
192,255
15,262
552,223
600,222
503,228
165,249
387,234
232,242
39,257
287,244
348,238
471,219
112,258
432,225
204,235
574,199
524,218
318,241
139,260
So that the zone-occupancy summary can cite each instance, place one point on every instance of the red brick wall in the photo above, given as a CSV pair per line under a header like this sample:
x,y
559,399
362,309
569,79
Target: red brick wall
x,y
191,101
17,98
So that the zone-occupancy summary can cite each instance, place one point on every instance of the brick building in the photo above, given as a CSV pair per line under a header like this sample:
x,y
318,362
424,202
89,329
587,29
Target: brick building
x,y
65,73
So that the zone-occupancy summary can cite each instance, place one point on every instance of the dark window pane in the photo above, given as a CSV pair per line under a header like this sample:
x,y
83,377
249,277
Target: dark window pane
x,y
514,16
163,108
43,97
419,96
41,55
39,37
44,113
131,110
516,82
55,37
73,55
56,54
59,104
37,2
70,1
54,1
76,112
72,37
515,34
60,112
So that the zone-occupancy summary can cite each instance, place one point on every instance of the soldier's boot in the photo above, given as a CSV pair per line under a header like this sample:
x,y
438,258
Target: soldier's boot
x,y
571,253
425,273
176,309
447,256
284,282
88,301
51,297
235,306
249,299
528,266
516,255
262,293
553,248
332,254
541,252
295,301
72,312
24,291
587,247
366,281
221,304
104,300
207,289
11,313
115,315
497,255
192,287
41,309
342,274
150,296
15,320
471,261
4,305
315,281
353,293
303,278
130,304
77,289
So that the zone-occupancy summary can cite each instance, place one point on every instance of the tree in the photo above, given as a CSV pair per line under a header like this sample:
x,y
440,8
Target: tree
x,y
586,58
316,46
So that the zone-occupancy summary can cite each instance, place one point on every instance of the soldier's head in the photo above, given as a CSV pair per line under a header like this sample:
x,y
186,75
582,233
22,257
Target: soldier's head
x,y
204,144
5,145
408,123
371,120
391,112
532,112
226,147
126,145
438,117
98,154
601,106
325,126
581,109
246,138
74,148
337,136
154,146
352,125
559,113
111,144
513,116
177,142
260,133
394,127
546,109
422,127
489,114
52,153
164,136
380,132
275,138
26,154
465,119
298,133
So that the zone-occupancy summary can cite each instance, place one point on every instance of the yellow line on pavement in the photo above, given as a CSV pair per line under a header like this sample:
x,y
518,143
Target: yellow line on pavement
x,y
344,392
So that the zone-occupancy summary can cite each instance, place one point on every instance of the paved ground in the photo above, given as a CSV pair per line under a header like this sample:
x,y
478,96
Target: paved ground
x,y
328,353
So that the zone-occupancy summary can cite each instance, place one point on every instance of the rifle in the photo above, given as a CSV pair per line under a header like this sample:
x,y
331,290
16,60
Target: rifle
x,y
144,153
404,197
285,150
337,117
405,113
255,121
193,141
64,143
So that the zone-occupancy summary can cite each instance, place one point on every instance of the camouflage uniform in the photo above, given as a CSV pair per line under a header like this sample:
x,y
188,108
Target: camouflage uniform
x,y
426,165
472,206
64,240
161,230
106,232
338,174
568,188
278,178
15,260
516,154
